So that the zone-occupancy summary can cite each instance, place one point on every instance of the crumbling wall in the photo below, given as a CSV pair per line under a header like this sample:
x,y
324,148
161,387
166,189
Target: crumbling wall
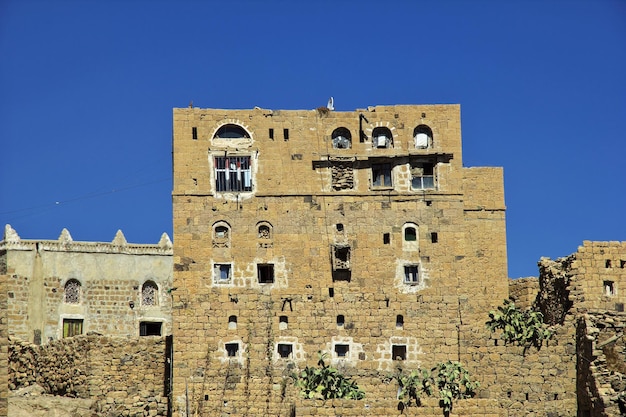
x,y
601,379
553,299
125,376
524,291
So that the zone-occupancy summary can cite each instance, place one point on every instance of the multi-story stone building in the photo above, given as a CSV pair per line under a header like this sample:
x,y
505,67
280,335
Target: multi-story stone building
x,y
360,234
60,288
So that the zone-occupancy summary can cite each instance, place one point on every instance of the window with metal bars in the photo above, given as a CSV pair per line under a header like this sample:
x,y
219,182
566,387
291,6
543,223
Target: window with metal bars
x,y
233,174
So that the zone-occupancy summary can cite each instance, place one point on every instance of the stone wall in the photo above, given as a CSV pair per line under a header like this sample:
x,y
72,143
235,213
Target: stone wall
x,y
523,291
125,376
4,344
106,282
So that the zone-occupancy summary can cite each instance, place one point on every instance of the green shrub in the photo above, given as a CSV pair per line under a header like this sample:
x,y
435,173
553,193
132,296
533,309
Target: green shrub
x,y
326,382
524,328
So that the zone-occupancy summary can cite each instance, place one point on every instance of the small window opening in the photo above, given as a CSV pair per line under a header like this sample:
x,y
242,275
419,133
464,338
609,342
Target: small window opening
x,y
341,138
382,138
72,292
429,203
222,273
398,352
264,232
622,263
231,349
194,133
386,238
341,320
271,133
285,350
556,397
283,321
607,263
411,274
331,292
495,342
399,321
381,175
342,350
609,288
526,396
422,136
149,294
508,394
619,307
422,175
410,234
150,328
232,322
286,134
434,238
339,227
230,131
206,397
221,232
72,327
265,273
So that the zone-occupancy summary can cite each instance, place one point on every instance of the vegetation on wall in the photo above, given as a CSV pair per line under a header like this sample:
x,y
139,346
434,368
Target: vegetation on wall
x,y
521,327
450,379
326,382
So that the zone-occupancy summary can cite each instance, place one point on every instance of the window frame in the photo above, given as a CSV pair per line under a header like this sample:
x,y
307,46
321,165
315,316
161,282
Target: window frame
x,y
425,181
232,174
382,175
266,273
217,278
411,271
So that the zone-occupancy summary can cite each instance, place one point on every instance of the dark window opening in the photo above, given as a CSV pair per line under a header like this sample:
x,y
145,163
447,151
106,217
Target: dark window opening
x,y
271,133
619,307
231,349
609,288
150,328
410,234
232,320
526,396
399,321
285,350
342,350
222,272
341,257
622,263
233,173
342,275
381,175
331,292
411,274
341,320
265,273
398,352
429,203
386,238
283,319
231,132
194,133
72,327
286,134
339,227
382,138
342,138
422,175
434,238
607,264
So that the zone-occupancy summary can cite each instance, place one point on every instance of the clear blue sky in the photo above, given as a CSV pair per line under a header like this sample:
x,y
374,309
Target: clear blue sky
x,y
87,91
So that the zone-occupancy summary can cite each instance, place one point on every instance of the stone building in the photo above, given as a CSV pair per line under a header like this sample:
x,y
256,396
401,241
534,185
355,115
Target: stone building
x,y
60,288
359,234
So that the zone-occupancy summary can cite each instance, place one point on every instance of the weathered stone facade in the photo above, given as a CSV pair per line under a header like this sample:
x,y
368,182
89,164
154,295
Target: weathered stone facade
x,y
358,233
62,287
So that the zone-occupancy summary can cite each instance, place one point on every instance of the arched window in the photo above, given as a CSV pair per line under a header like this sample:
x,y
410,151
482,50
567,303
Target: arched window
x,y
341,320
423,137
231,131
72,292
342,138
399,321
221,235
232,322
410,237
264,235
382,138
149,294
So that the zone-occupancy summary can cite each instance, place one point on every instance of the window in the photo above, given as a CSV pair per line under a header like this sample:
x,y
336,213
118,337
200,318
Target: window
x,y
342,138
398,352
342,173
72,327
285,350
382,138
149,294
609,288
342,350
410,234
194,133
341,320
232,322
286,134
271,133
434,237
381,175
221,235
283,322
422,136
411,274
232,349
399,321
386,238
72,292
422,175
264,232
231,131
233,174
265,273
222,273
150,328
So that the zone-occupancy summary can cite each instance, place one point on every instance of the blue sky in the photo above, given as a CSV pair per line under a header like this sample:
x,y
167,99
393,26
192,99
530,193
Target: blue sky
x,y
88,87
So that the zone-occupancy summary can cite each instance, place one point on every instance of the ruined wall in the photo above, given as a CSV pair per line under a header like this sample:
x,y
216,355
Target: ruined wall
x,y
108,278
524,291
122,375
4,340
295,212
